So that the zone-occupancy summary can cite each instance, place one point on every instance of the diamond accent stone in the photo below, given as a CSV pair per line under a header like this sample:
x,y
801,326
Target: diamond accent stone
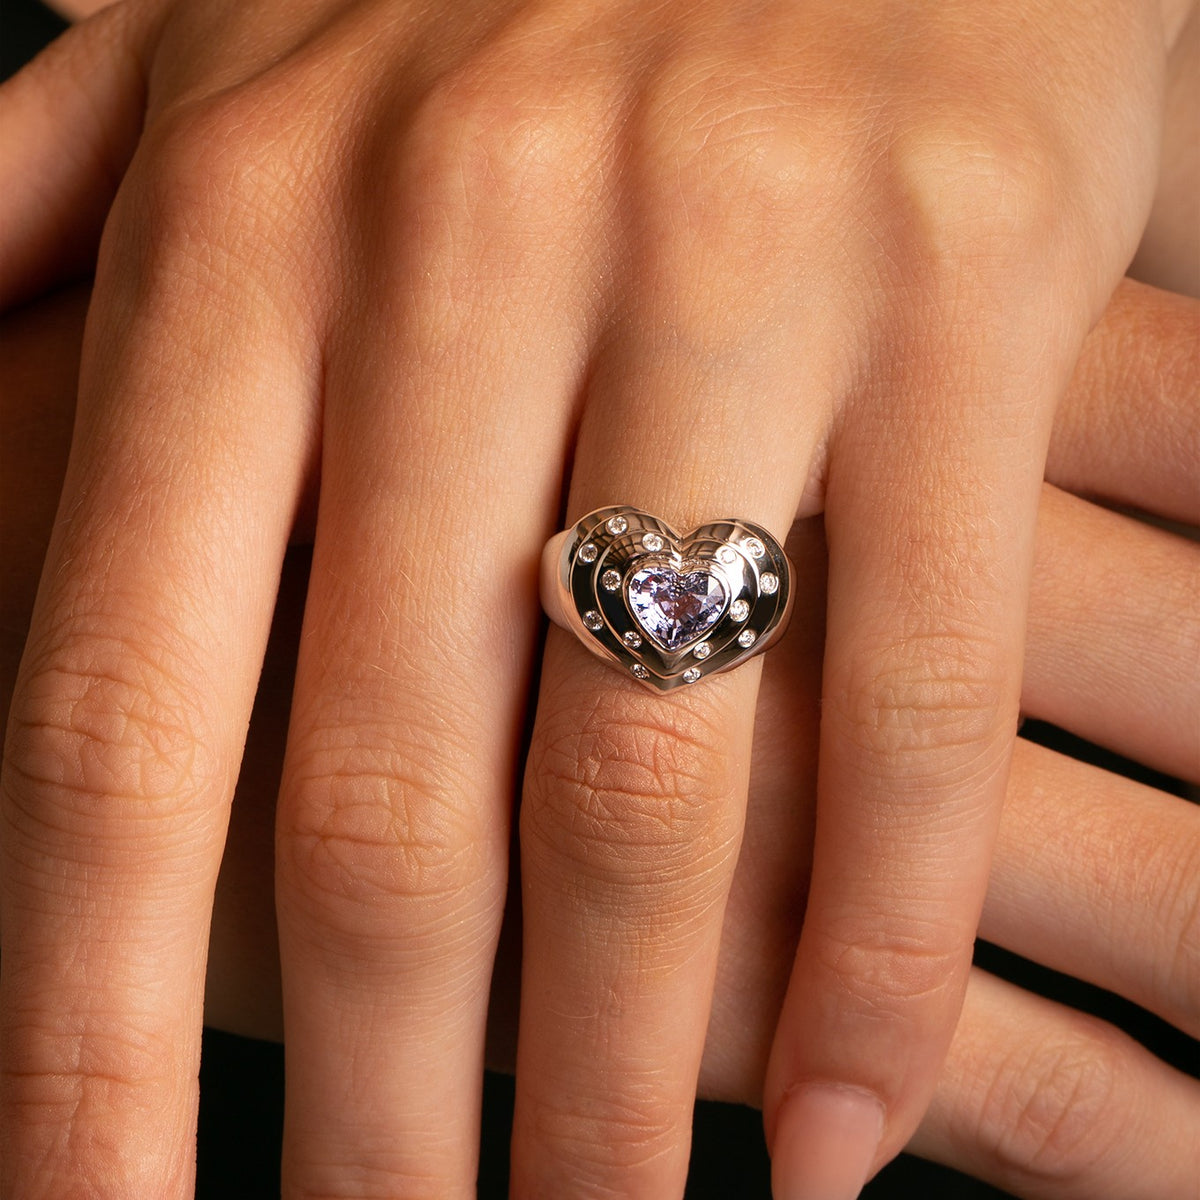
x,y
727,555
588,552
691,675
616,525
675,607
652,542
610,580
747,637
739,610
753,547
593,620
639,672
703,650
768,584
632,639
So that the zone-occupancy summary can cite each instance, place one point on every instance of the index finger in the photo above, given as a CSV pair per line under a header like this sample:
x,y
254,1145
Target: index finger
x,y
129,716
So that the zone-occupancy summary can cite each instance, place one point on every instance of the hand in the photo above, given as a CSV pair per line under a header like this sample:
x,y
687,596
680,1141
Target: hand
x,y
393,240
1129,1113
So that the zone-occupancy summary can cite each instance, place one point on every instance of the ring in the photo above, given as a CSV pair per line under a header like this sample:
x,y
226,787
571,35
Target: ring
x,y
664,607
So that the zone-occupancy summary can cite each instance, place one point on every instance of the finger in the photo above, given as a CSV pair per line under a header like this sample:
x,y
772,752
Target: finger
x,y
634,800
1097,877
1053,1105
930,513
1114,634
129,715
420,630
1128,429
767,895
957,759
71,120
1093,876
39,378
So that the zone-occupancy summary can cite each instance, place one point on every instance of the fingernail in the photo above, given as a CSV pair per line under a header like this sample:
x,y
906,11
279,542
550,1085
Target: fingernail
x,y
825,1143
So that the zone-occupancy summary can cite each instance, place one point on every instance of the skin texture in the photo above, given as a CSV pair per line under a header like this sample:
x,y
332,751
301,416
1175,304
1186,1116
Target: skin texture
x,y
399,272
1033,1097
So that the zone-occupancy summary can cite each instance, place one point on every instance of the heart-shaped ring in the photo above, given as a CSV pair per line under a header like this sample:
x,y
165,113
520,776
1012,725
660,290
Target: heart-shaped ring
x,y
667,608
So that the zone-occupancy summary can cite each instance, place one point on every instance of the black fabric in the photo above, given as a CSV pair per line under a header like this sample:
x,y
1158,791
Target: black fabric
x,y
25,27
241,1109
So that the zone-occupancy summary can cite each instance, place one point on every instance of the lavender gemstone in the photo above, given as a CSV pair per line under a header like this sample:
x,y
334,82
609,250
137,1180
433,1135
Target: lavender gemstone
x,y
675,608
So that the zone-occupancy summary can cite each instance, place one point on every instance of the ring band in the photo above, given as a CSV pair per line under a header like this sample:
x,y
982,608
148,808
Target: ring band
x,y
667,608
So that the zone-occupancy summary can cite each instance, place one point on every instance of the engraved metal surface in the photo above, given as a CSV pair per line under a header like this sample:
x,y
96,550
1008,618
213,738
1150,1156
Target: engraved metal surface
x,y
668,608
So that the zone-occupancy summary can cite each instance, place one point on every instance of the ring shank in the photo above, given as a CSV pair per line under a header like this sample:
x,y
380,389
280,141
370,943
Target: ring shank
x,y
552,592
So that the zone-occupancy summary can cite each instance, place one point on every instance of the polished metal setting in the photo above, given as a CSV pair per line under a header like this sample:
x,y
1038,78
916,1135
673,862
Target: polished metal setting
x,y
667,609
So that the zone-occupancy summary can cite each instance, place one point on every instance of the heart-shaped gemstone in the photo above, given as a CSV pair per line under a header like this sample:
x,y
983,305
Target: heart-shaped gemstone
x,y
674,607
668,608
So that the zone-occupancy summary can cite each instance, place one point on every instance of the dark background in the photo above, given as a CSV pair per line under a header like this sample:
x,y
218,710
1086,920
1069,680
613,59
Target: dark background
x,y
241,1080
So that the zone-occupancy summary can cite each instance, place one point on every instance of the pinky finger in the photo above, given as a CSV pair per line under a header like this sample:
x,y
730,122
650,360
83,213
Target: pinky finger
x,y
1051,1104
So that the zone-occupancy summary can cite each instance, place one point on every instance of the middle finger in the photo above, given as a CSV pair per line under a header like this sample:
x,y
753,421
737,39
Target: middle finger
x,y
419,631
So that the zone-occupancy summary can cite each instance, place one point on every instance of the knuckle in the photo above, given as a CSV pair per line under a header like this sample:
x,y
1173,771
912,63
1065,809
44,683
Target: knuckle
x,y
1057,1106
637,800
217,176
631,1138
334,1169
966,190
492,139
929,710
111,728
721,149
913,974
81,1094
369,824
62,1067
